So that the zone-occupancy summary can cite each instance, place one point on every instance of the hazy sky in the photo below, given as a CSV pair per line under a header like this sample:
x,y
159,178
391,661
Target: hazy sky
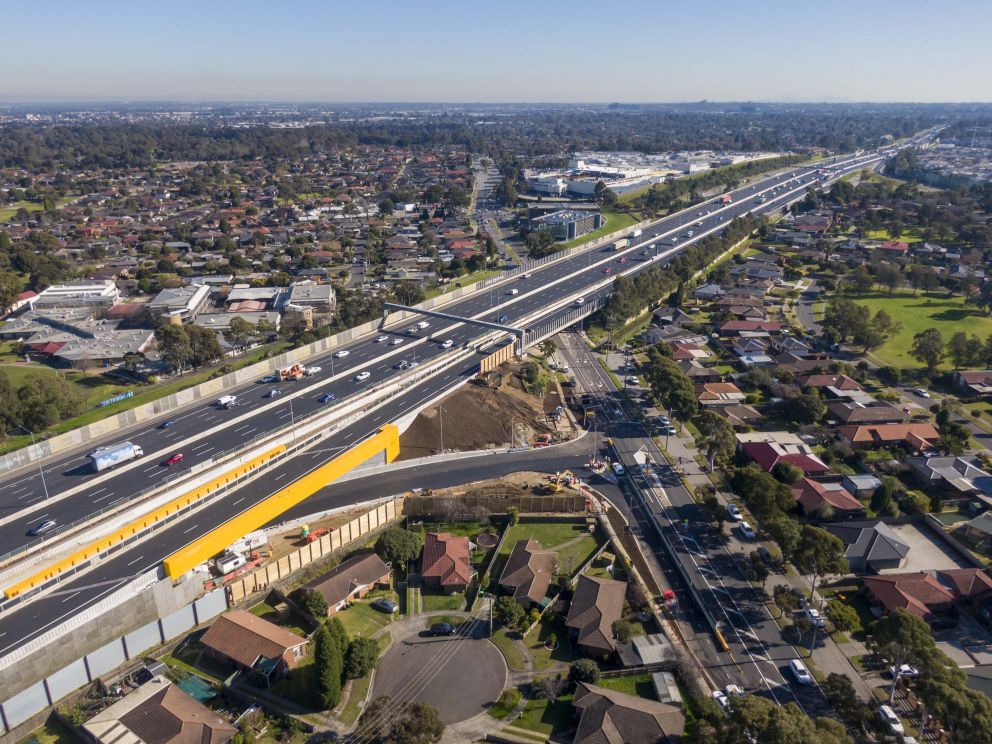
x,y
508,50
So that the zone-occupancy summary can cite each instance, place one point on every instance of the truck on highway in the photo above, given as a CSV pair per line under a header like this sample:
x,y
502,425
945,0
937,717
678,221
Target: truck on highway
x,y
636,233
727,198
105,458
622,243
292,372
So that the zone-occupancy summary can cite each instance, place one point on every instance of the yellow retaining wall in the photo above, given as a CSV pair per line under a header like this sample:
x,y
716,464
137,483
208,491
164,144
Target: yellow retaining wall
x,y
138,525
200,550
262,578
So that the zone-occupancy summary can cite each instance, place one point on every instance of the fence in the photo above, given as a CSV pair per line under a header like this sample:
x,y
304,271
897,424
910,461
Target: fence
x,y
471,506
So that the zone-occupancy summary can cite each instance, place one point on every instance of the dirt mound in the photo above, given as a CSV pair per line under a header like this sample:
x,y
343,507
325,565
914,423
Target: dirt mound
x,y
478,417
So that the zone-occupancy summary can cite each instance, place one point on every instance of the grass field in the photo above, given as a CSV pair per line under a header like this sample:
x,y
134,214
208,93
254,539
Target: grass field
x,y
639,685
614,221
7,213
912,235
919,312
361,619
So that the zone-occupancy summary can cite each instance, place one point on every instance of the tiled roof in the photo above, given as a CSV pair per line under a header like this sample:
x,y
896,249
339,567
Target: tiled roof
x,y
528,571
244,638
447,556
812,495
596,605
915,435
358,571
923,593
612,717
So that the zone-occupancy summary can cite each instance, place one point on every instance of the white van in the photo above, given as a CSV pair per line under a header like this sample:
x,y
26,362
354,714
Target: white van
x,y
514,292
226,401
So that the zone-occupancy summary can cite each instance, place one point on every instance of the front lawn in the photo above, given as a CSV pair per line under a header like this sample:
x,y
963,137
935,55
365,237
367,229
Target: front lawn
x,y
361,619
436,602
546,717
633,684
508,646
544,657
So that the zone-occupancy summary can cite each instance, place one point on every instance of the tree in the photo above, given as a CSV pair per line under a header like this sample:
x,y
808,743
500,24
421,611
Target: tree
x,y
10,288
204,345
877,331
719,436
840,693
754,718
844,617
845,318
174,346
383,722
362,656
787,472
547,348
549,687
903,638
623,630
238,331
327,666
339,635
508,612
584,670
312,601
785,599
807,408
928,348
785,532
397,546
759,569
959,350
819,553
861,279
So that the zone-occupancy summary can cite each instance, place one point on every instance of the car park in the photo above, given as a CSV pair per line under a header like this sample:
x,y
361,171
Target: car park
x,y
362,376
733,513
888,716
42,528
341,354
442,629
327,397
385,605
618,469
746,530
175,459
800,672
814,617
167,424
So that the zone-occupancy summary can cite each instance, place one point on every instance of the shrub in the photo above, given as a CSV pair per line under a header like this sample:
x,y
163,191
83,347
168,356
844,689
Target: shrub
x,y
584,670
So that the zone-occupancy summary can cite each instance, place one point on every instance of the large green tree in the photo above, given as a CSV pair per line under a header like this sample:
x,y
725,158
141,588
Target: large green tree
x,y
819,553
397,546
928,348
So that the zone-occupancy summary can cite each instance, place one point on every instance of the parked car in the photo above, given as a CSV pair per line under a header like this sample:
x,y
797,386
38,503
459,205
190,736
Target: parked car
x,y
362,376
175,459
167,424
327,397
747,531
889,717
904,670
42,528
442,629
801,601
618,469
385,605
721,699
814,617
800,672
733,513
922,393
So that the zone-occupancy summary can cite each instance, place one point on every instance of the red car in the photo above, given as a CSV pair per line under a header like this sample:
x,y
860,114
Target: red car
x,y
178,457
623,259
607,270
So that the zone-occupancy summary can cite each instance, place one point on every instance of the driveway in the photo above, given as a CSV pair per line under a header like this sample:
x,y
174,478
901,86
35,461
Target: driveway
x,y
460,676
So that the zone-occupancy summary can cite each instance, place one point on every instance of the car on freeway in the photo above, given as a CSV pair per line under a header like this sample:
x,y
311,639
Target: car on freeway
x,y
733,513
341,354
175,459
396,342
42,528
423,324
385,605
414,364
607,270
525,276
800,672
269,378
381,339
402,365
922,393
618,469
502,318
362,376
815,618
721,699
442,629
904,670
273,393
167,424
747,531
327,397
580,301
447,344
888,716
622,259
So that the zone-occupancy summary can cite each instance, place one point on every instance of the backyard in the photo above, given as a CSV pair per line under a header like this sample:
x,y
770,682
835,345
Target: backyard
x,y
571,540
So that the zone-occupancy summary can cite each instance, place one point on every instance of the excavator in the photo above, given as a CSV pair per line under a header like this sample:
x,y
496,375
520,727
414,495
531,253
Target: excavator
x,y
558,481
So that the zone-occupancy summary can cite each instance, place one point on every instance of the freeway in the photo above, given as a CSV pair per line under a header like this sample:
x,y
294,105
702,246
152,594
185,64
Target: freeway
x,y
545,290
71,491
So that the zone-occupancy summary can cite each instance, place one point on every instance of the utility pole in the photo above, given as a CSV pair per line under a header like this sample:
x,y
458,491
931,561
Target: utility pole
x,y
440,420
41,470
292,421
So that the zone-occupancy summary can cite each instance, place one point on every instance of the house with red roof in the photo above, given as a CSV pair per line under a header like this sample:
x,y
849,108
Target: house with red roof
x,y
768,454
734,327
719,394
813,495
446,562
915,437
930,595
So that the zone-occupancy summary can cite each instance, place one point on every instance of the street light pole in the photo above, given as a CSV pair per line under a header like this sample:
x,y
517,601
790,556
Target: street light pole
x,y
292,421
440,420
41,470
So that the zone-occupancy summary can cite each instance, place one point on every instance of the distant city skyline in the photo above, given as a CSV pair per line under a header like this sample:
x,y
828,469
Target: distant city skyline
x,y
450,52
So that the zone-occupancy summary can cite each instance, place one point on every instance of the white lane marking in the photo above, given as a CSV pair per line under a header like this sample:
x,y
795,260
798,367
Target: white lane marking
x,y
199,446
281,475
105,496
203,452
190,529
238,501
245,426
136,560
70,597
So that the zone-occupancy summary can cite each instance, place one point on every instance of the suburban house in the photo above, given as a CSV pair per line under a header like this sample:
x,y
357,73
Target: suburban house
x,y
812,496
861,485
596,605
719,394
446,562
353,578
158,712
249,642
977,382
841,383
612,717
979,528
769,454
915,437
858,413
528,572
932,596
956,475
870,546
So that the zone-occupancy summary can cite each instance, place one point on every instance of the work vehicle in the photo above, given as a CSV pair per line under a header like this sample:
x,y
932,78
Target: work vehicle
x,y
385,605
381,339
291,372
104,458
447,344
42,528
310,371
362,376
251,541
167,424
227,401
513,292
327,397
308,535
800,672
442,629
174,460
620,244
341,353
726,199
888,716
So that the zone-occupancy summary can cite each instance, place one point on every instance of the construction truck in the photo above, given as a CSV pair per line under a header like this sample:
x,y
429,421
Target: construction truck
x,y
558,481
292,372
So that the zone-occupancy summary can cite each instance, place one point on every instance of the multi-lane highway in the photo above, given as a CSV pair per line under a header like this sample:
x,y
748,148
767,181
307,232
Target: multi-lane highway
x,y
541,294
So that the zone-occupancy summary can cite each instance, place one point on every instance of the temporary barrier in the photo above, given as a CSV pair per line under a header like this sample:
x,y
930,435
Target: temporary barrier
x,y
387,440
138,525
